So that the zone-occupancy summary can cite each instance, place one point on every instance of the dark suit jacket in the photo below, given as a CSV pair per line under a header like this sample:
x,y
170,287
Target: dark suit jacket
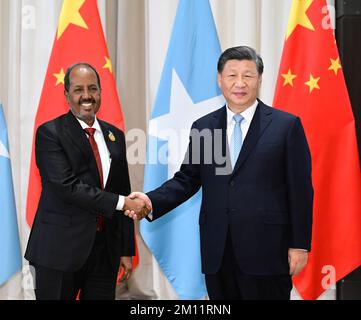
x,y
72,199
265,202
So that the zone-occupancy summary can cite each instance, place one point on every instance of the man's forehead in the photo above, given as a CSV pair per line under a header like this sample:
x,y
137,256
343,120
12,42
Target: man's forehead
x,y
82,71
241,61
81,75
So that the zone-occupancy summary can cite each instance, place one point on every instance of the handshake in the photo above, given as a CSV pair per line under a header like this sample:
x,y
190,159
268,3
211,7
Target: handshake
x,y
137,206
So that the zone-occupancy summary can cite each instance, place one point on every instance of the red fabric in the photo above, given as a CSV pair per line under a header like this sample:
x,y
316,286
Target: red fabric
x,y
93,144
328,121
90,132
76,43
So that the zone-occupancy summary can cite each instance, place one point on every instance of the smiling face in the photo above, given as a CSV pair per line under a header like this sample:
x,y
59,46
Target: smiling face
x,y
83,96
239,82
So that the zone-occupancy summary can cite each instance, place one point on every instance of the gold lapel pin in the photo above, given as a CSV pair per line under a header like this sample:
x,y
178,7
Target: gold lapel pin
x,y
111,136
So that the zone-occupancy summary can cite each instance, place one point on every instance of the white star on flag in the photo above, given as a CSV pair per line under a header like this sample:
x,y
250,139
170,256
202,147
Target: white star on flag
x,y
175,126
3,151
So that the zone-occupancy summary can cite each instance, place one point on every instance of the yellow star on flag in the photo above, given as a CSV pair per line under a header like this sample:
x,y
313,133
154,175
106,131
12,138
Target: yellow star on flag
x,y
59,77
298,16
335,65
288,78
70,15
313,83
108,65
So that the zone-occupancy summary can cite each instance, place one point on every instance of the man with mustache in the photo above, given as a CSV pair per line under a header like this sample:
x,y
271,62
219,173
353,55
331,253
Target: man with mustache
x,y
256,213
79,238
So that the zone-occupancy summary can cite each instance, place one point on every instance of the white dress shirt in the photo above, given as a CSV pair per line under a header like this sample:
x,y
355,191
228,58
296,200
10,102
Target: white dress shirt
x,y
104,155
246,122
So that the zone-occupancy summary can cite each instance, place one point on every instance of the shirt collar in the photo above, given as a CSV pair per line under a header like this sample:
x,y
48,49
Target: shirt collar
x,y
246,114
96,125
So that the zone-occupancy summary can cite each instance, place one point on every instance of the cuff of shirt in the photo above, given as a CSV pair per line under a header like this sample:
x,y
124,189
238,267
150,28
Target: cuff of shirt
x,y
120,203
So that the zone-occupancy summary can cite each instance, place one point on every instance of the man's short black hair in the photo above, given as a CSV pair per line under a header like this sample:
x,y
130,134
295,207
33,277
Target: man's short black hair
x,y
70,69
240,53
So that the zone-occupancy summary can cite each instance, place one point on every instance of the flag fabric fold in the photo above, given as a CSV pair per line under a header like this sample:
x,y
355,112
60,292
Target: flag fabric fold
x,y
79,38
311,85
10,254
187,90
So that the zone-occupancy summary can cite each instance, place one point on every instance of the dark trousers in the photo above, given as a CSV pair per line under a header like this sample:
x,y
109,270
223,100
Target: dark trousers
x,y
230,283
96,280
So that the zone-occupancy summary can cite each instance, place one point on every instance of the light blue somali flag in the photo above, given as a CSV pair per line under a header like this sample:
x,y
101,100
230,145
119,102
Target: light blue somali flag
x,y
188,90
10,257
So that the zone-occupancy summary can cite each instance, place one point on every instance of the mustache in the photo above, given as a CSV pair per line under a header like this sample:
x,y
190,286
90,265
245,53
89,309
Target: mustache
x,y
86,101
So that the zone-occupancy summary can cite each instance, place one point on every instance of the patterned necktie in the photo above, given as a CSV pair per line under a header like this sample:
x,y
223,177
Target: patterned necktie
x,y
236,140
90,132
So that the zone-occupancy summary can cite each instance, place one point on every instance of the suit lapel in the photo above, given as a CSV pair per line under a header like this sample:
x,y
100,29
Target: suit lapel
x,y
220,122
77,135
260,121
107,133
113,148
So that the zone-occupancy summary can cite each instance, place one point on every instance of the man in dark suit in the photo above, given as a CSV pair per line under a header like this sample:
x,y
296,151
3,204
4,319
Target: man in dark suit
x,y
256,213
79,238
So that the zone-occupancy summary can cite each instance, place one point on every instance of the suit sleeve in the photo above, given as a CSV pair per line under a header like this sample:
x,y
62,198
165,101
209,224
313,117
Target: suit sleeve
x,y
184,184
57,175
300,190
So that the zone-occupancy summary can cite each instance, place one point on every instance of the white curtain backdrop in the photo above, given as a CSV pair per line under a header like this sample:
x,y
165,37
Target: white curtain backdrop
x,y
138,33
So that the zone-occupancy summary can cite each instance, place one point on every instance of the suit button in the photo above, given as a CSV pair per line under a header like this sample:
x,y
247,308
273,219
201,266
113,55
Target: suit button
x,y
232,183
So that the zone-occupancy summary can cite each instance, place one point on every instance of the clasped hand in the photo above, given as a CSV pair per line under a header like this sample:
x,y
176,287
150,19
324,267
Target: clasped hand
x,y
137,206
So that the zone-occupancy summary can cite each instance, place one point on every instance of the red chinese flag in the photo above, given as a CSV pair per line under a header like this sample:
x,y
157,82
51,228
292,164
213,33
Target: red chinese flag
x,y
79,38
311,85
